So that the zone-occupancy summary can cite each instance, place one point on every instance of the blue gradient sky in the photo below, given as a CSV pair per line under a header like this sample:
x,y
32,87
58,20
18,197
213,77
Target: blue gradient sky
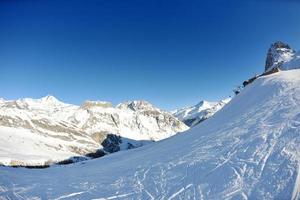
x,y
171,53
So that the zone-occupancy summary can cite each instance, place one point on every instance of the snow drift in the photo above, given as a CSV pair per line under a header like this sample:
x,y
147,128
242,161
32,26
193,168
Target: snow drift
x,y
248,150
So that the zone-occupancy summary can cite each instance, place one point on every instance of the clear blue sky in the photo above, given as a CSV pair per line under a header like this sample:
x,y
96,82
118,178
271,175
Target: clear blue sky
x,y
171,53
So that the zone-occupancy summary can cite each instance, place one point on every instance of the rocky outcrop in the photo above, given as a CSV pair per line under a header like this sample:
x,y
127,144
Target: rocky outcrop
x,y
111,143
278,54
141,105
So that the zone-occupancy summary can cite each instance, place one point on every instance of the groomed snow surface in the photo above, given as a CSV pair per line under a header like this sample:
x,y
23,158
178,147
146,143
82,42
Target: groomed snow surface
x,y
248,150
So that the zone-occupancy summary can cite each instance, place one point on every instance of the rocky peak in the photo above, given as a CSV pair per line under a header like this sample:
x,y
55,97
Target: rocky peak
x,y
139,105
279,44
278,54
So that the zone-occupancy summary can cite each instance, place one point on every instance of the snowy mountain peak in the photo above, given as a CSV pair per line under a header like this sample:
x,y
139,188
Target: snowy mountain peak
x,y
48,102
137,105
204,104
49,99
193,115
278,54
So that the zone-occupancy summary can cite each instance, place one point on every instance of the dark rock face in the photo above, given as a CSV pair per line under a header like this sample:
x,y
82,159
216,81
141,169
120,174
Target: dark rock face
x,y
250,80
111,143
280,44
194,121
275,53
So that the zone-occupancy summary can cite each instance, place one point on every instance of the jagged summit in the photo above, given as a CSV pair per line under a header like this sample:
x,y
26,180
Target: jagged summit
x,y
193,115
278,54
137,105
49,99
280,44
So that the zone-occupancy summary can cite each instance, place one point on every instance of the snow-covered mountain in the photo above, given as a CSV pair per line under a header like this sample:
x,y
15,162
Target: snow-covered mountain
x,y
193,115
39,131
281,55
250,149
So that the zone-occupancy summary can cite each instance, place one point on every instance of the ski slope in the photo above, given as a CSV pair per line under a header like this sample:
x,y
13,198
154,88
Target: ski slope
x,y
248,150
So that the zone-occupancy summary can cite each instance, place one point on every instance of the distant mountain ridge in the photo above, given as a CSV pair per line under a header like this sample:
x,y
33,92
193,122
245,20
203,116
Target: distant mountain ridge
x,y
36,131
193,115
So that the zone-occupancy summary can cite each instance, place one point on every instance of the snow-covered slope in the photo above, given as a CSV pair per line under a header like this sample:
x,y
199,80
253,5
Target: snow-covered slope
x,y
193,115
250,149
281,55
38,131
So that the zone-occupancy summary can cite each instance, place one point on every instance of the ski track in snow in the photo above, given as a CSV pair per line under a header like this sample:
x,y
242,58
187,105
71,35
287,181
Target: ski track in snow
x,y
69,195
248,150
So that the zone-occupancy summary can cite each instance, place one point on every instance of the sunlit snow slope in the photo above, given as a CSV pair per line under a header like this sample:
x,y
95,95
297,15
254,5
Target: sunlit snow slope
x,y
248,150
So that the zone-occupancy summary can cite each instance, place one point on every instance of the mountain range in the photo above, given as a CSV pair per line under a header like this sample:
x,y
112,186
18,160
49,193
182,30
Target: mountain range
x,y
45,131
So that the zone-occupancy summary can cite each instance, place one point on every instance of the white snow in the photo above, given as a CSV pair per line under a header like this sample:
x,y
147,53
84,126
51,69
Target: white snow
x,y
293,63
248,150
282,55
20,146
